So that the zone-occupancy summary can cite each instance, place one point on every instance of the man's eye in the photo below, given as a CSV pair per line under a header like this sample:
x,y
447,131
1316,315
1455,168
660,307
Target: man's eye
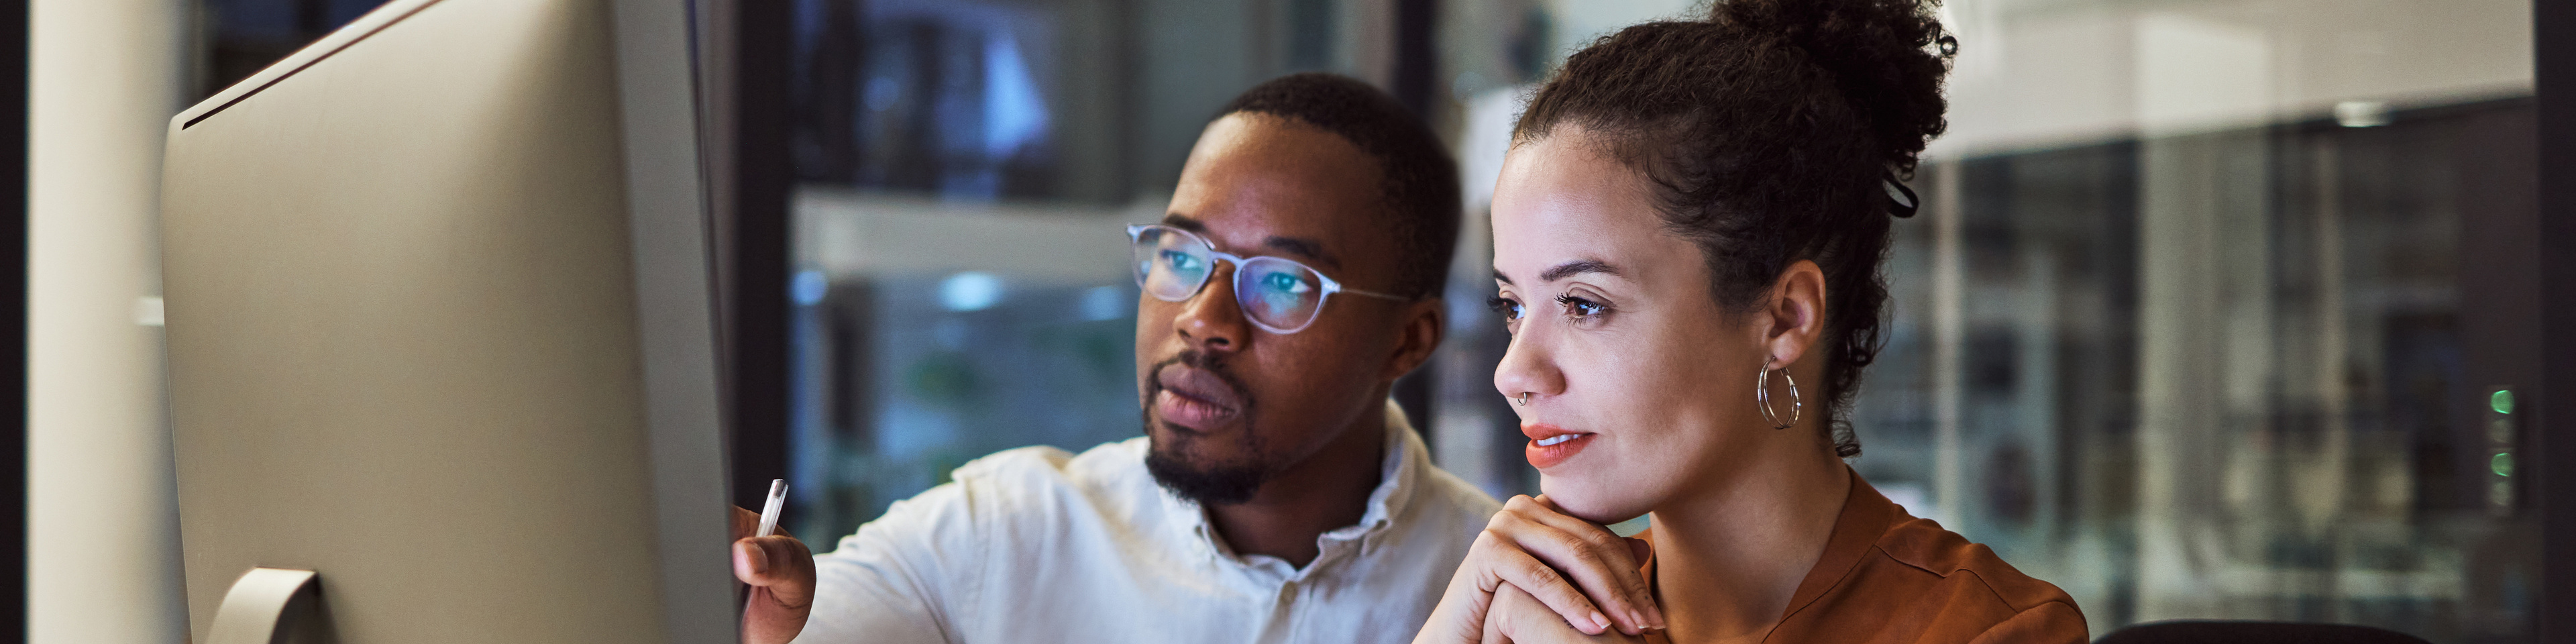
x,y
1179,260
1286,283
1510,310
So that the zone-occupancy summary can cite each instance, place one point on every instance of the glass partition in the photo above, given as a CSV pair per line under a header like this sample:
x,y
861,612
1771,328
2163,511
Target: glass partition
x,y
2241,373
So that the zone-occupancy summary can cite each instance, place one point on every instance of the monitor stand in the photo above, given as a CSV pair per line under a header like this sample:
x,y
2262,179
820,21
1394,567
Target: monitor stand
x,y
267,606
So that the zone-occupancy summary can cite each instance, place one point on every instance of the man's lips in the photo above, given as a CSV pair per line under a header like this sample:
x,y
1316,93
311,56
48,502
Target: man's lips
x,y
1550,444
1195,398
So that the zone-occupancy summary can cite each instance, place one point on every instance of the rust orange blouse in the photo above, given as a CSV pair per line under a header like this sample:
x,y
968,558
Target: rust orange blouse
x,y
1887,577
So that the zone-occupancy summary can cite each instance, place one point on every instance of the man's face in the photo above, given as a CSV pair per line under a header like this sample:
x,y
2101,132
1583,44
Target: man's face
x,y
1226,403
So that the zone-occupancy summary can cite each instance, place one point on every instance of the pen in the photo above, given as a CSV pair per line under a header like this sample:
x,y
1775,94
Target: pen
x,y
769,510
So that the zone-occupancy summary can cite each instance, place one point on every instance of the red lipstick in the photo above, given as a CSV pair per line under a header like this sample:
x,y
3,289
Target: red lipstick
x,y
1550,444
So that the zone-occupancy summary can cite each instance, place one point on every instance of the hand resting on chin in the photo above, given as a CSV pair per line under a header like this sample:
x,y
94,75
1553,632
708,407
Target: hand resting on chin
x,y
1537,574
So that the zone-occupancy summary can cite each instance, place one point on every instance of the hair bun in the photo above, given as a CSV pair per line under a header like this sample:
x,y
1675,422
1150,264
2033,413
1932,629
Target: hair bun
x,y
1888,57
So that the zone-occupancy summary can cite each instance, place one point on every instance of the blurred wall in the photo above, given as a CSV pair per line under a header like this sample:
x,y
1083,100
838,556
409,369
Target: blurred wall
x,y
2036,74
103,527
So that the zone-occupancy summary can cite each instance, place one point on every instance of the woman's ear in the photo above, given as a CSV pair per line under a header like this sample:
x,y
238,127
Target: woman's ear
x,y
1795,315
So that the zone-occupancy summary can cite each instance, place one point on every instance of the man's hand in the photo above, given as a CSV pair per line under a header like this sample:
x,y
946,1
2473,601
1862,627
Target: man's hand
x,y
1519,618
1581,572
781,573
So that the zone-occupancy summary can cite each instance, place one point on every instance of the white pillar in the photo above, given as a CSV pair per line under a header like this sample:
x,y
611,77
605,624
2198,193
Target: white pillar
x,y
102,539
2205,313
1949,339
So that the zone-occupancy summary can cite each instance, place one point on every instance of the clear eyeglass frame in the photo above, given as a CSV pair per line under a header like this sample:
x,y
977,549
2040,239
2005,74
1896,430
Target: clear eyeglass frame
x,y
1272,292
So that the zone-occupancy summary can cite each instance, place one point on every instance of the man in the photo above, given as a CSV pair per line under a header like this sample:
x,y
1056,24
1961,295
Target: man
x,y
1275,496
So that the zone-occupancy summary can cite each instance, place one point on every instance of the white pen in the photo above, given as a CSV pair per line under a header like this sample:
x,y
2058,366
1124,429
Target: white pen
x,y
769,510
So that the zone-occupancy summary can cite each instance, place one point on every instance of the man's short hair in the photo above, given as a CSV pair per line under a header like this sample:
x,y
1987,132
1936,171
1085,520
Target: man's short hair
x,y
1420,179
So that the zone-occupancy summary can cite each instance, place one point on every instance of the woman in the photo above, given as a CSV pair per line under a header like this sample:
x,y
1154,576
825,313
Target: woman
x,y
1687,242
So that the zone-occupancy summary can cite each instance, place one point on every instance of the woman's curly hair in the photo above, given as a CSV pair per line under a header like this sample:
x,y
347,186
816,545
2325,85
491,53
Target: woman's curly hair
x,y
1767,131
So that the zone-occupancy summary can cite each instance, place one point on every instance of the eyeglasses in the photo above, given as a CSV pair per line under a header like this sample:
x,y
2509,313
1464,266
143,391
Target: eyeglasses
x,y
1277,294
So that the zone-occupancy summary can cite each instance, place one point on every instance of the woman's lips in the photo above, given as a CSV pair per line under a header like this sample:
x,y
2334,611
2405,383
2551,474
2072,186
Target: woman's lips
x,y
1550,445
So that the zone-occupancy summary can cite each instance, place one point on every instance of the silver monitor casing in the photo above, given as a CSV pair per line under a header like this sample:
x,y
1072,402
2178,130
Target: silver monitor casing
x,y
441,327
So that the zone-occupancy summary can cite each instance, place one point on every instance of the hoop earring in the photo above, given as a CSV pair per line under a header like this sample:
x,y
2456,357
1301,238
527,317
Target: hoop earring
x,y
1524,399
1762,395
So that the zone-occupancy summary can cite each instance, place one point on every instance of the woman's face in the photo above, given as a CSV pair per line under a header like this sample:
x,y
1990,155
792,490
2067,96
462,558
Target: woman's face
x,y
1640,385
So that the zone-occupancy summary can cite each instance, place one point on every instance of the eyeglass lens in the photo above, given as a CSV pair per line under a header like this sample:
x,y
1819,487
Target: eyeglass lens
x,y
1279,294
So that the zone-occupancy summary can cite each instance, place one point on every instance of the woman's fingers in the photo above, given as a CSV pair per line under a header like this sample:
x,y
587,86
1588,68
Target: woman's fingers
x,y
1587,558
1517,616
1576,572
1631,576
1509,569
1460,617
1491,629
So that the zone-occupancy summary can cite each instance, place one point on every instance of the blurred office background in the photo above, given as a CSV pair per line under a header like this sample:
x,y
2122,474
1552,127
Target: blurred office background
x,y
2217,309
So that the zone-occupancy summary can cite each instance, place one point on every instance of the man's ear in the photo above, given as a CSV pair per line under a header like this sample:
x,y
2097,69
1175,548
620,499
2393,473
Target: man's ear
x,y
1425,321
1795,316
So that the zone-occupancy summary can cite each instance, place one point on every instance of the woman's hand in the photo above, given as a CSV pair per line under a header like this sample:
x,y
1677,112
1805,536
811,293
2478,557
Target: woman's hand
x,y
1519,618
1579,571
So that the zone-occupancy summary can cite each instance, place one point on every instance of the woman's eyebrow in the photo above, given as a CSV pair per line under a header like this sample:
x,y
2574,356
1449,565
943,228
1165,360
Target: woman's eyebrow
x,y
1565,270
1576,267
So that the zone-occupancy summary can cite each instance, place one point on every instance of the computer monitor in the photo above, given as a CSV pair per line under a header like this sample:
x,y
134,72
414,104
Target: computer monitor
x,y
441,329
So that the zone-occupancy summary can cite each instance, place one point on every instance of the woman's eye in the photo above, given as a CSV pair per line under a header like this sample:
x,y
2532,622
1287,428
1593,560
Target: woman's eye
x,y
1510,310
1580,307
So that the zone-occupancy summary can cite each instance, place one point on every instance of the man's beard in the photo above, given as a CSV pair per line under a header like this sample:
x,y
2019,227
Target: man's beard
x,y
1204,483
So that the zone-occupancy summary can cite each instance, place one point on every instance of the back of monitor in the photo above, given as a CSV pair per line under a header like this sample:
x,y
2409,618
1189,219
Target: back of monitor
x,y
440,329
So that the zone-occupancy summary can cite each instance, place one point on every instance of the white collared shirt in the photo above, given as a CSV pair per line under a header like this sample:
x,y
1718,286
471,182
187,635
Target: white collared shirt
x,y
1039,545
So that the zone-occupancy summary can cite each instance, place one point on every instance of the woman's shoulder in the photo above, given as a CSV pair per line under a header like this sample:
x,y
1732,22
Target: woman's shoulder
x,y
1890,577
1924,545
1979,595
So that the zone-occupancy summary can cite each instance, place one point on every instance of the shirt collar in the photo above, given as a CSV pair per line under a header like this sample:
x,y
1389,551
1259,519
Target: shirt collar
x,y
1399,471
1405,458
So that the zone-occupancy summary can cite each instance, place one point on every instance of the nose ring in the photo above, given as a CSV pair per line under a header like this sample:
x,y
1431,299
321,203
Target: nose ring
x,y
1524,401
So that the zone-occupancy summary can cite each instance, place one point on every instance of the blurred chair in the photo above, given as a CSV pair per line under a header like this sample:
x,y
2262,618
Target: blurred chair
x,y
2253,632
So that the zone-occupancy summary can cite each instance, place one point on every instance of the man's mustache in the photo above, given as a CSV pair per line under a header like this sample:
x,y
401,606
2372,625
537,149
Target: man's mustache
x,y
1198,359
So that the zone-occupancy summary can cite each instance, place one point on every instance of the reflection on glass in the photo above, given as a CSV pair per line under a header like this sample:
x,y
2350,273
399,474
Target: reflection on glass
x,y
2224,374
944,97
944,333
